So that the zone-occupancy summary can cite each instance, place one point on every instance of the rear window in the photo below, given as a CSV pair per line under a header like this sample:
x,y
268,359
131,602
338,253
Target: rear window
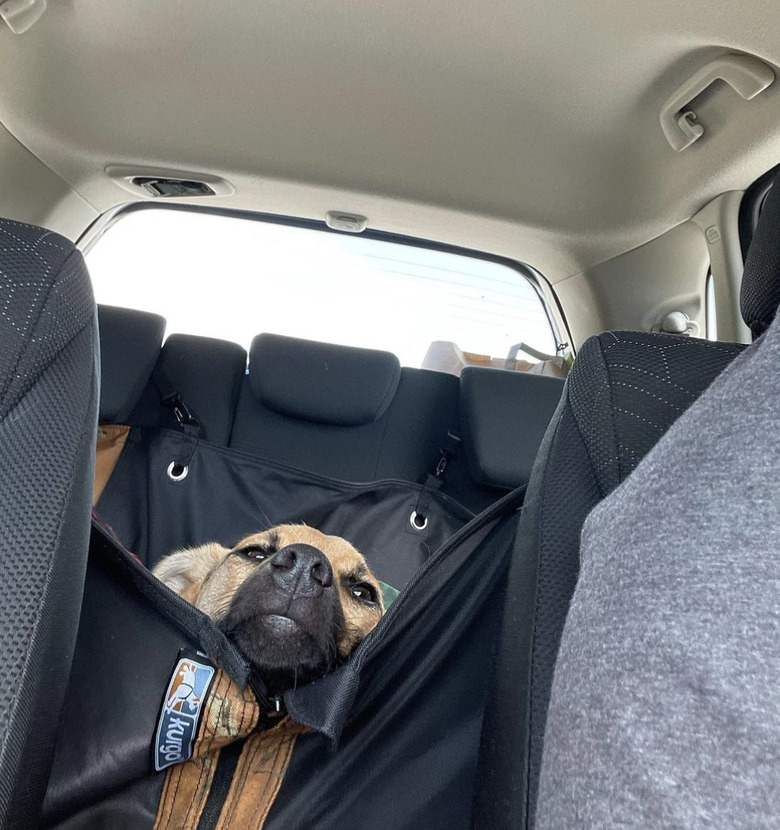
x,y
232,277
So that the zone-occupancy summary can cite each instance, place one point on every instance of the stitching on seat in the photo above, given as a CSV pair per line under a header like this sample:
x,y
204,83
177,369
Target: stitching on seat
x,y
652,375
651,394
31,339
639,417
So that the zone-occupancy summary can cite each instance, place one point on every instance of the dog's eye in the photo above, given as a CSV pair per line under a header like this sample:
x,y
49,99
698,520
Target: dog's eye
x,y
364,592
255,552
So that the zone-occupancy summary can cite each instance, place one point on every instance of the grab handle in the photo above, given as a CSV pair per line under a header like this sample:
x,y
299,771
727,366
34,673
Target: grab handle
x,y
746,74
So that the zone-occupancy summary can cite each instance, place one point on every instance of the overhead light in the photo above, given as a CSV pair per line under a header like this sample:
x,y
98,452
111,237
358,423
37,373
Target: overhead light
x,y
167,184
337,220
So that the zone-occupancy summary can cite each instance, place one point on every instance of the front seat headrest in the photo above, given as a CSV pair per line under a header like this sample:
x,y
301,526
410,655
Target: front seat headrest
x,y
760,292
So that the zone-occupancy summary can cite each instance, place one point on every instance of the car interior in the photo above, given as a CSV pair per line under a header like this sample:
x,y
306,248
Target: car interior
x,y
435,279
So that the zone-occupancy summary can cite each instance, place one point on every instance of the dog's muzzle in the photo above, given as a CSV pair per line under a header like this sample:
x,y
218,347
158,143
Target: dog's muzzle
x,y
287,617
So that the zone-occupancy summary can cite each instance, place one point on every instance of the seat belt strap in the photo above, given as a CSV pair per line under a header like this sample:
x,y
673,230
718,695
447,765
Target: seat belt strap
x,y
172,399
435,480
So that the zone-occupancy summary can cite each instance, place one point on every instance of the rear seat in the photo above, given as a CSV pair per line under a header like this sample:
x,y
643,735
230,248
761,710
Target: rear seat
x,y
504,416
207,373
129,348
340,412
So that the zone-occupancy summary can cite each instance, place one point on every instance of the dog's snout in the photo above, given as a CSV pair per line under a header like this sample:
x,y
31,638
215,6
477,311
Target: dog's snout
x,y
301,565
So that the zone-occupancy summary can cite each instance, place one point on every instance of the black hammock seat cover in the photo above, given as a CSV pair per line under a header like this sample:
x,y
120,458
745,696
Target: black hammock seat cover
x,y
390,738
226,494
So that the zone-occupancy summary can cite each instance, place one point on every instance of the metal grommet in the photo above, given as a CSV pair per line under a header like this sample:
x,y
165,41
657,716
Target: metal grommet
x,y
177,471
417,521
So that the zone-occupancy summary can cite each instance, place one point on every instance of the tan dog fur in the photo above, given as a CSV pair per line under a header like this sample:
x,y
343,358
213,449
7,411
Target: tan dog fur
x,y
211,576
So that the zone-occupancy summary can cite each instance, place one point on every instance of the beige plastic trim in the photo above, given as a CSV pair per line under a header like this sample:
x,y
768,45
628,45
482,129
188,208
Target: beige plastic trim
x,y
339,220
21,15
637,289
32,192
719,222
746,74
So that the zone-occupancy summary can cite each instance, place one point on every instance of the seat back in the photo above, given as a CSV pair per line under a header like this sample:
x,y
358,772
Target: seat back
x,y
48,418
207,374
129,347
624,392
504,416
342,412
138,369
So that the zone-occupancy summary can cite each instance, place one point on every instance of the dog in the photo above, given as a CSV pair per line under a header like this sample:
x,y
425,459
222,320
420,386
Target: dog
x,y
294,601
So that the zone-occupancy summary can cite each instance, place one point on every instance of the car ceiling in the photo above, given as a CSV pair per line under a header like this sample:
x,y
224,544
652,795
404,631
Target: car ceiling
x,y
527,129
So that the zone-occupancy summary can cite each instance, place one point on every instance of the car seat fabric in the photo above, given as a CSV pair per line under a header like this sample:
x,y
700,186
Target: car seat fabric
x,y
344,413
665,705
48,417
504,418
226,495
129,347
624,391
760,289
206,373
337,385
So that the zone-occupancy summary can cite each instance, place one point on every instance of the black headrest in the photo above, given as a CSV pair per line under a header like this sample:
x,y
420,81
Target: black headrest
x,y
129,346
504,416
207,373
760,293
322,382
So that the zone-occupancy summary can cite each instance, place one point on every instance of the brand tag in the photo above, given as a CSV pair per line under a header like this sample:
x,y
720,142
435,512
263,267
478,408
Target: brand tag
x,y
182,708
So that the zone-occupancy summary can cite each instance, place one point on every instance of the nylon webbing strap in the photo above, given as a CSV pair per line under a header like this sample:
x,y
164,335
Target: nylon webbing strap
x,y
434,481
171,398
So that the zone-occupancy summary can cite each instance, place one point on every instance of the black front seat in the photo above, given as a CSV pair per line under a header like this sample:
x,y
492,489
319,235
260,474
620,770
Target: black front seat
x,y
48,418
624,391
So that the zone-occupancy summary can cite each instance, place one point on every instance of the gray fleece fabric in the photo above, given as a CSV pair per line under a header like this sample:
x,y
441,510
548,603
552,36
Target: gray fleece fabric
x,y
665,709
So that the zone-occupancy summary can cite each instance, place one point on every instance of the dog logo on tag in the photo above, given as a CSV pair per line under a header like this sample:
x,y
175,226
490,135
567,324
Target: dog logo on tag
x,y
181,710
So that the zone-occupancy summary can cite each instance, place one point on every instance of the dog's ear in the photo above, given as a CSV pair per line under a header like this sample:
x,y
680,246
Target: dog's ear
x,y
185,571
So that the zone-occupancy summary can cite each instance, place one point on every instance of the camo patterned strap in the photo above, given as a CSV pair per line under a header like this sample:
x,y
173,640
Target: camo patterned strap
x,y
230,715
258,777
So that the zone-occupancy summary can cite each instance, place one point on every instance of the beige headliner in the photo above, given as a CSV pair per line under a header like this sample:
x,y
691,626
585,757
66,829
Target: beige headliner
x,y
526,129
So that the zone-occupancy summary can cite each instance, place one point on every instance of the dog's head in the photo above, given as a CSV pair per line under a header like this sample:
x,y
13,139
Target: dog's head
x,y
294,601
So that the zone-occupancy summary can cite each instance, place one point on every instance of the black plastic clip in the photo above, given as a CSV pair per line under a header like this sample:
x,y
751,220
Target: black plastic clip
x,y
272,706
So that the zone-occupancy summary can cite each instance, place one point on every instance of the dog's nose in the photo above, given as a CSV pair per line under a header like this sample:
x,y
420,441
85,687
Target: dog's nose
x,y
301,565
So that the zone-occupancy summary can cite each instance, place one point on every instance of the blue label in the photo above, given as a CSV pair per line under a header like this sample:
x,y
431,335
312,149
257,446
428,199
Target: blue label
x,y
181,711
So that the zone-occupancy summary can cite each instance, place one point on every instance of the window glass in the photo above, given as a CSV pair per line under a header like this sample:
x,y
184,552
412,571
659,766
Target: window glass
x,y
711,309
232,278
